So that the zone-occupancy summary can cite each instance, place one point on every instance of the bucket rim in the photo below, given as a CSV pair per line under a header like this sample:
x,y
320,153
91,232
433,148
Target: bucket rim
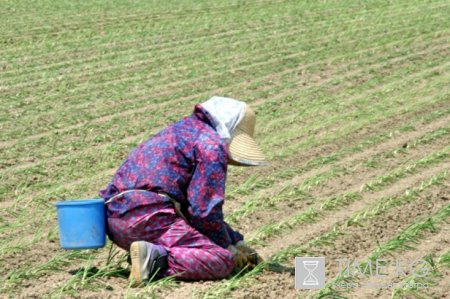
x,y
79,202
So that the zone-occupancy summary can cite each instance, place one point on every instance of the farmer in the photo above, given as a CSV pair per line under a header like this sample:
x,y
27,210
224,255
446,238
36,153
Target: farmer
x,y
164,203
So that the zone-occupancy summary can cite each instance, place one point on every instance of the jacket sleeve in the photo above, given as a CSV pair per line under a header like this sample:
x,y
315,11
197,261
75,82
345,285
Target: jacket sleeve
x,y
206,194
235,236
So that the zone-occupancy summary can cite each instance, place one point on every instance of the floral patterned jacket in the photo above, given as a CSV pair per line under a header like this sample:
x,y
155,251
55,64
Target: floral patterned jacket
x,y
188,162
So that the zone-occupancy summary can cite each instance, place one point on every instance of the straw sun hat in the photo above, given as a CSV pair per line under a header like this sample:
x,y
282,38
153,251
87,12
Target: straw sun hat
x,y
243,148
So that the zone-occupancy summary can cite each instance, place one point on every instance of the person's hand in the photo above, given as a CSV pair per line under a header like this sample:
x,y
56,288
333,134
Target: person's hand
x,y
242,246
253,258
240,259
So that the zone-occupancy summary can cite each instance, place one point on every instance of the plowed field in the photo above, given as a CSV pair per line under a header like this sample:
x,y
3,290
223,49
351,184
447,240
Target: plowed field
x,y
353,112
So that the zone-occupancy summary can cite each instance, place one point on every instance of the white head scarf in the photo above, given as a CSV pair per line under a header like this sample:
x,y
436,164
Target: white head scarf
x,y
226,114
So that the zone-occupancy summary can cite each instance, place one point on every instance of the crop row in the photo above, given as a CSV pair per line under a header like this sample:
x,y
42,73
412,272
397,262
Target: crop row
x,y
288,177
286,254
111,125
372,92
252,184
46,9
401,242
404,170
99,60
44,221
199,27
82,167
332,203
48,97
134,20
67,113
58,191
144,44
140,44
96,170
368,212
322,160
45,166
361,83
304,91
410,285
58,262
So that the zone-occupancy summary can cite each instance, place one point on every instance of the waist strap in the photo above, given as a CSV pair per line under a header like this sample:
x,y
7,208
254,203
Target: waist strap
x,y
122,193
176,204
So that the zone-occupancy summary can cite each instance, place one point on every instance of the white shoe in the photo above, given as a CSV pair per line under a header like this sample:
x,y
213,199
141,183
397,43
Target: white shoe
x,y
147,260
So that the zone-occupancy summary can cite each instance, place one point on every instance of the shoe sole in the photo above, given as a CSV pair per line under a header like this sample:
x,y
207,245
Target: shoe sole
x,y
136,254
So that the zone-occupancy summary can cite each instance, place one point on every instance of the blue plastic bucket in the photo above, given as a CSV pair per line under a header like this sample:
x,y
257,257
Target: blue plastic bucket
x,y
81,223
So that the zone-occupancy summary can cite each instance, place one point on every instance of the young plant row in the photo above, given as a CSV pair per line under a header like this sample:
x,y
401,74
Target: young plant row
x,y
98,57
77,117
97,137
88,13
359,119
33,271
287,87
84,174
252,184
403,241
87,184
133,64
326,238
411,285
295,192
191,31
374,79
376,160
368,212
317,211
100,95
123,24
93,278
65,113
212,53
292,191
224,289
405,170
285,175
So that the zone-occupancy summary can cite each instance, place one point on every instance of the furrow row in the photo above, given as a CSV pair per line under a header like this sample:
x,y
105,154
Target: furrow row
x,y
118,51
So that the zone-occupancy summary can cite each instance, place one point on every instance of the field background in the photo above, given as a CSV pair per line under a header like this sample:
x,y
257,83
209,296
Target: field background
x,y
353,112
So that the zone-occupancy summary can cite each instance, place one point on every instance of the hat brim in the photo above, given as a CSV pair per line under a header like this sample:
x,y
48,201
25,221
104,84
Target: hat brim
x,y
244,150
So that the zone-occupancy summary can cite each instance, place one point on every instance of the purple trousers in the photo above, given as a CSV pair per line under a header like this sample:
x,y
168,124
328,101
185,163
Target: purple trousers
x,y
191,255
